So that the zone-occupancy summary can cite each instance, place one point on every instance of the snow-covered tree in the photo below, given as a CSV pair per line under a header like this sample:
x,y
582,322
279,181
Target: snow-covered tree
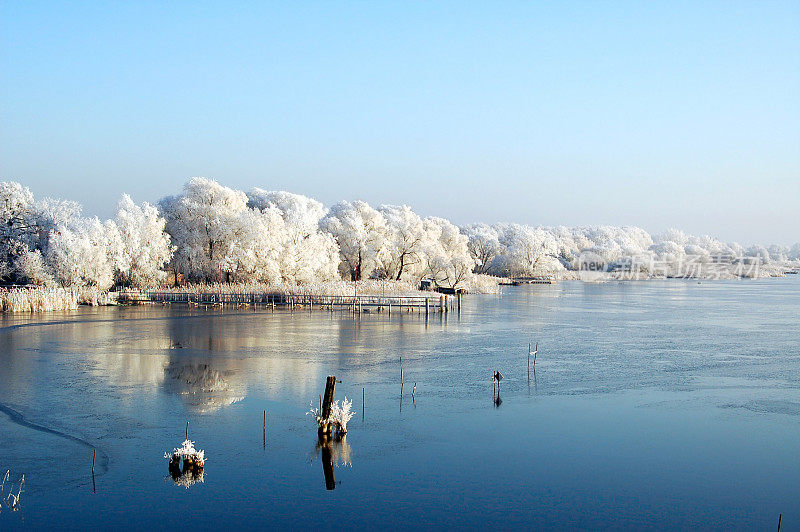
x,y
204,223
794,252
146,246
301,213
529,250
484,245
256,254
31,266
447,257
404,245
361,233
84,253
305,253
25,227
18,229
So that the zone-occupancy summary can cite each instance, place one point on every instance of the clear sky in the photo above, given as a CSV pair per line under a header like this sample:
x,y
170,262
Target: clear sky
x,y
654,114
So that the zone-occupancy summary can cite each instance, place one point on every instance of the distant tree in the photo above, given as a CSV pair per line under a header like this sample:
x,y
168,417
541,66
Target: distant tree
x,y
484,245
529,250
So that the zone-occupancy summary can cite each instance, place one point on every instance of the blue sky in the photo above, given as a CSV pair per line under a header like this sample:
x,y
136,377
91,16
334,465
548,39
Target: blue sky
x,y
627,113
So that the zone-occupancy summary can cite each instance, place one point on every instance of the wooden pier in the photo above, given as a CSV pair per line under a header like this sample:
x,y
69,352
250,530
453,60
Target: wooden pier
x,y
356,304
516,281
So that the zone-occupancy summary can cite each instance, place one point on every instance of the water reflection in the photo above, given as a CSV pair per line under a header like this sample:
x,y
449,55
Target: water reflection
x,y
335,451
496,378
204,388
663,367
208,359
186,478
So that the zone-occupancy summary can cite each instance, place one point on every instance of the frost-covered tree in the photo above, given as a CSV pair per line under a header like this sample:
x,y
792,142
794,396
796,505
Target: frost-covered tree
x,y
794,252
404,245
447,257
266,237
529,250
256,253
758,252
301,213
85,253
32,267
361,233
668,252
25,227
205,223
18,228
146,247
305,254
778,253
484,245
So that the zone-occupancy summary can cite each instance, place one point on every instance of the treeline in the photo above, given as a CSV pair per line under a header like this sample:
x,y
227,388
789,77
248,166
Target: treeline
x,y
211,233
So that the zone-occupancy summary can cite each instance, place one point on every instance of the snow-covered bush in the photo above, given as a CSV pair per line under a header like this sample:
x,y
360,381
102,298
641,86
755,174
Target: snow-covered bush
x,y
188,454
340,415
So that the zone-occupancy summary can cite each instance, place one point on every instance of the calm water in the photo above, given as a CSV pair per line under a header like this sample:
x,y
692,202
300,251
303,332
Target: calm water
x,y
656,405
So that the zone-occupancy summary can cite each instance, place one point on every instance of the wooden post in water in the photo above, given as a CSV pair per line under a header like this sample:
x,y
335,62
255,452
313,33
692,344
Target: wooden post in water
x,y
363,402
459,301
535,352
187,430
426,306
401,370
94,455
780,518
327,403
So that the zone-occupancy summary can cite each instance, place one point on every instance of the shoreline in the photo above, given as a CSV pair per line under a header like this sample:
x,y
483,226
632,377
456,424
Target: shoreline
x,y
369,293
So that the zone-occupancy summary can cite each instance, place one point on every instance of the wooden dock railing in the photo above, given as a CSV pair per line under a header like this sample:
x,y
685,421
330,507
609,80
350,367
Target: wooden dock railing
x,y
438,303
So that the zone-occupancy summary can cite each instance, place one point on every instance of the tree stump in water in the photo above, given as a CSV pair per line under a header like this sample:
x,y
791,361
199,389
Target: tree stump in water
x,y
327,402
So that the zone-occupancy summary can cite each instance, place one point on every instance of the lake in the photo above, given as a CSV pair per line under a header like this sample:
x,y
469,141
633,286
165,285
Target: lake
x,y
653,405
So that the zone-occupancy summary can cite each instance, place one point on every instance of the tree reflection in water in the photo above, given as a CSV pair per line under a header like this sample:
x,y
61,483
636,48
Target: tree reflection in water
x,y
204,388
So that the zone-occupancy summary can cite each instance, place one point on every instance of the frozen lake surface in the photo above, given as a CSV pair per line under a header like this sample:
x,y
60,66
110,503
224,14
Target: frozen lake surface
x,y
654,405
